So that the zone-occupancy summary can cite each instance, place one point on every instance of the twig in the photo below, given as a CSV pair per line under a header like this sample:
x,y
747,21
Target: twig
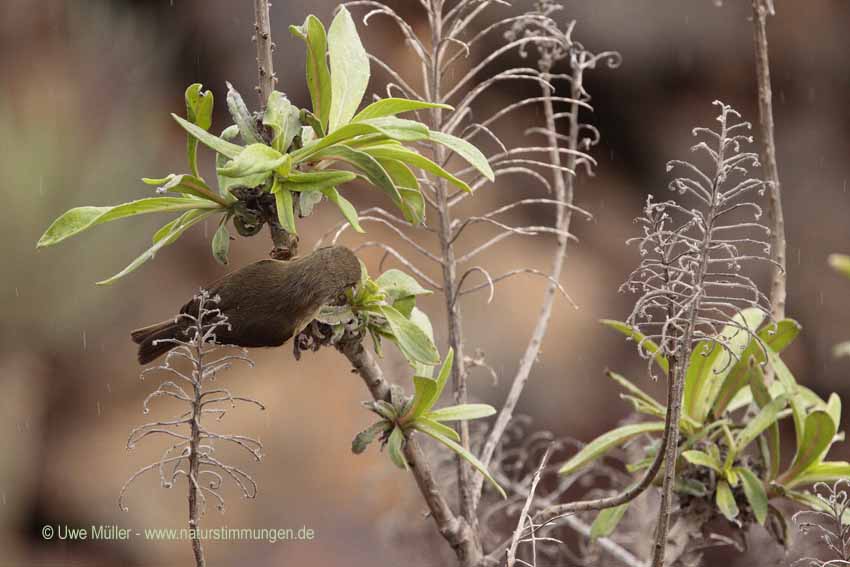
x,y
776,217
524,517
434,89
263,38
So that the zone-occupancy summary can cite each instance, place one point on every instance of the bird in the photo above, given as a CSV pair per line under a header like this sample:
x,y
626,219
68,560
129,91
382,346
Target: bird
x,y
266,303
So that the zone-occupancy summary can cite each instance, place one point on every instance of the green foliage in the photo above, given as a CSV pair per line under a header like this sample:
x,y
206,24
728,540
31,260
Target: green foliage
x,y
386,308
740,449
287,151
401,417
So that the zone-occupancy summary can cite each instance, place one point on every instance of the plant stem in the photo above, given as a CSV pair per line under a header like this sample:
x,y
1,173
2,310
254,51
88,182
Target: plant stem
x,y
285,244
674,398
459,378
194,454
263,38
671,455
778,283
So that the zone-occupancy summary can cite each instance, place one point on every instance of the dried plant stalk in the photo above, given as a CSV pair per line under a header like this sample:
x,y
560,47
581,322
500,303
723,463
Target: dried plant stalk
x,y
191,454
830,523
776,216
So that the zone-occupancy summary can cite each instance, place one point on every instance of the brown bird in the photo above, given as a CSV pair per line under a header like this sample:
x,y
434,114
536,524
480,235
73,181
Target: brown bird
x,y
265,303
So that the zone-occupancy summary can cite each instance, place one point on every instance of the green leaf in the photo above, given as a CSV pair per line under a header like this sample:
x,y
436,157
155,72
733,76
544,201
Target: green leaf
x,y
638,337
255,159
393,106
214,142
783,374
726,501
690,486
349,65
755,493
312,121
364,438
702,459
397,284
467,151
833,408
602,444
410,338
421,320
345,207
317,180
221,243
199,107
606,521
818,434
766,417
445,372
424,395
762,397
285,208
188,185
225,184
384,128
318,75
637,392
826,471
840,263
807,499
776,339
79,219
165,229
242,117
462,412
394,445
371,168
176,231
711,362
426,425
470,458
412,203
410,157
283,119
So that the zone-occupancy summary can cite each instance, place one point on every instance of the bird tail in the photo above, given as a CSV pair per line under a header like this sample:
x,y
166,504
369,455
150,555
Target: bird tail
x,y
153,340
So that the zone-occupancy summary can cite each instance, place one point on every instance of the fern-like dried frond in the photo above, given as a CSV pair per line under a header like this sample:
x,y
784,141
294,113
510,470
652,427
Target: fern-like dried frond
x,y
690,274
191,454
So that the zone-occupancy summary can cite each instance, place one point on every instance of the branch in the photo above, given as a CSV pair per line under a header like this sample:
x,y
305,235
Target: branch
x,y
263,39
778,283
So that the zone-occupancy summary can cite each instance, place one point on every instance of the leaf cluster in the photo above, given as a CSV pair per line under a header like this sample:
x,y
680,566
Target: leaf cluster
x,y
400,417
296,157
731,439
385,308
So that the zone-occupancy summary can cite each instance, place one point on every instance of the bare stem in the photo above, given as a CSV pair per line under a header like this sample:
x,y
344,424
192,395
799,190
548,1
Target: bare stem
x,y
671,455
432,78
564,184
195,456
674,398
263,38
778,283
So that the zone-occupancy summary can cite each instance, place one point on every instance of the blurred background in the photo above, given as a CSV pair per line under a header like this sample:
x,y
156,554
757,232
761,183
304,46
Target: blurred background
x,y
86,89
